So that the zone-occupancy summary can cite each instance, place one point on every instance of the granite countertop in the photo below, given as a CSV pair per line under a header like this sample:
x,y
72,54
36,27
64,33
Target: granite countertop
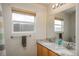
x,y
61,50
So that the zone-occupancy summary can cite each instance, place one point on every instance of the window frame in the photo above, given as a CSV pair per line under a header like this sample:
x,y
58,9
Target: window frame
x,y
62,26
17,10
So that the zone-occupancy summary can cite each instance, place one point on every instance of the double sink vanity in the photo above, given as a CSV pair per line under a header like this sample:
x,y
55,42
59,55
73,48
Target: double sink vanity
x,y
46,48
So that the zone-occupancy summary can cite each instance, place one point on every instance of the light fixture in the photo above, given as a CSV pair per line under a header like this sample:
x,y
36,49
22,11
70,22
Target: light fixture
x,y
56,5
53,6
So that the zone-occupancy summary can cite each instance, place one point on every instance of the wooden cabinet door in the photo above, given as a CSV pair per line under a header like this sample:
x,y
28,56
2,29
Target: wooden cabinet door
x,y
44,51
50,53
39,50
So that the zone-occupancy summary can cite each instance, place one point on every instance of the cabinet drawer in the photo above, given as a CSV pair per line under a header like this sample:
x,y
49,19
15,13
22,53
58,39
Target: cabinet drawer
x,y
43,51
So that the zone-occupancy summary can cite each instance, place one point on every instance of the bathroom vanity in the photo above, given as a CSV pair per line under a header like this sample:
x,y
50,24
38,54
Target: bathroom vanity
x,y
44,51
45,48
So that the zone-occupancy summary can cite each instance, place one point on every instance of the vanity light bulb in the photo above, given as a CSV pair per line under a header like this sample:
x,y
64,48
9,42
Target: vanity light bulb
x,y
53,6
56,4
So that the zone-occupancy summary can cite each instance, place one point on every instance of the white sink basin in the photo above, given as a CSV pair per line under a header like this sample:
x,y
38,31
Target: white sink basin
x,y
48,43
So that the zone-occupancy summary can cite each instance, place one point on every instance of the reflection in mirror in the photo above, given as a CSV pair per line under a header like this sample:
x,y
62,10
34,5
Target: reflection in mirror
x,y
58,25
65,26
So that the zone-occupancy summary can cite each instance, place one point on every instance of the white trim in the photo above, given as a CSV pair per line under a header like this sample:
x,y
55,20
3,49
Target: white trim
x,y
24,32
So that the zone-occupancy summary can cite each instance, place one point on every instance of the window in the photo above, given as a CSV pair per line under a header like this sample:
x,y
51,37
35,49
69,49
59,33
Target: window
x,y
22,22
58,25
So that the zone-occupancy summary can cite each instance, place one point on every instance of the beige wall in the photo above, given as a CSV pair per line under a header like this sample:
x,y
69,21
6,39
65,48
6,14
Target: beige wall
x,y
13,46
